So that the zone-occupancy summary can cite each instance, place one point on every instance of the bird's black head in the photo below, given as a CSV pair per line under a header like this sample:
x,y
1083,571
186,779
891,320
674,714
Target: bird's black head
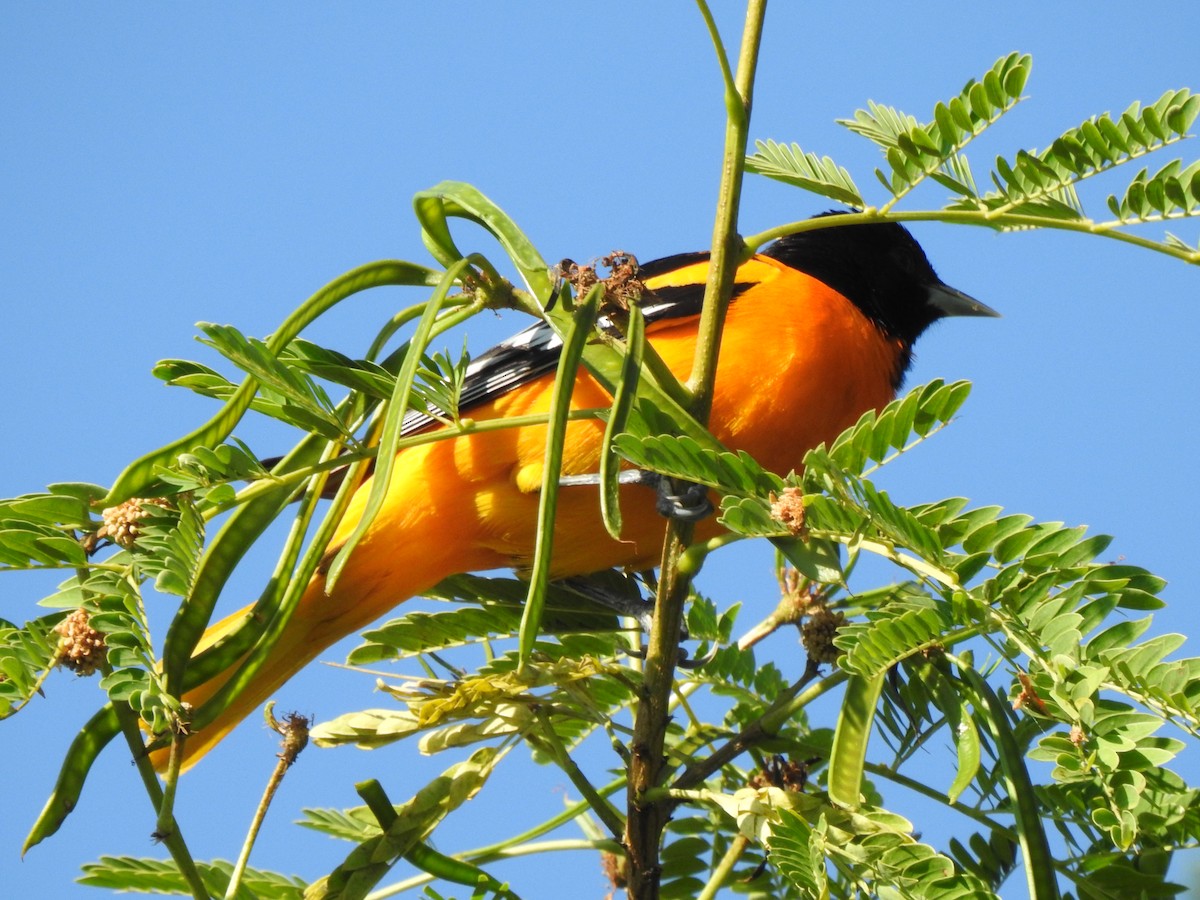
x,y
883,271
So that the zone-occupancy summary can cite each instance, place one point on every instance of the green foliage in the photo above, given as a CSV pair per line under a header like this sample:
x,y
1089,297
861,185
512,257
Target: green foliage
x,y
1060,735
1095,698
877,846
138,476
791,165
1035,592
407,826
1042,184
499,615
209,474
914,151
917,151
360,375
283,391
26,656
158,877
37,530
1030,188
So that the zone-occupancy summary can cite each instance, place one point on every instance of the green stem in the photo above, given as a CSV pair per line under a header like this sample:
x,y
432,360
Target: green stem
x,y
273,610
1035,848
448,319
523,844
646,766
766,726
377,274
693,558
567,815
394,418
296,477
976,217
556,436
513,852
727,246
166,808
424,857
919,567
939,796
599,805
659,371
171,836
724,868
610,463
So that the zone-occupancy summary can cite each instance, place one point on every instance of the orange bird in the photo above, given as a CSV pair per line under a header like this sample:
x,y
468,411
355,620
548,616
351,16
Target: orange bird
x,y
820,329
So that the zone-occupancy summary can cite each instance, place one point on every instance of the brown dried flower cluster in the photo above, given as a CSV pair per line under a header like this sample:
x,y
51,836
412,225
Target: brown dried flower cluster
x,y
293,728
788,508
621,287
121,521
780,772
614,868
818,632
80,647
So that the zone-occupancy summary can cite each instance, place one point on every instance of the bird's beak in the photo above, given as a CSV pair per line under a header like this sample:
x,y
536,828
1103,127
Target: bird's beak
x,y
950,302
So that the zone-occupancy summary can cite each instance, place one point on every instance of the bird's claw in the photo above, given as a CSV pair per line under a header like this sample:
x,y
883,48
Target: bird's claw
x,y
684,501
682,660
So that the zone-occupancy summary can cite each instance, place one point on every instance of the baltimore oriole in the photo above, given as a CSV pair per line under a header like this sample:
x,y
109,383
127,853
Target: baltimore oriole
x,y
820,329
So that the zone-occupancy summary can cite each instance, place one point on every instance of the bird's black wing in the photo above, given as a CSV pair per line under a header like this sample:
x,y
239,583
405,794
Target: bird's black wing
x,y
534,352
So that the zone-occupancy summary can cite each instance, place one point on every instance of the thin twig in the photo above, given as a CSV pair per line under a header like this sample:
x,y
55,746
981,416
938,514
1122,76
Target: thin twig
x,y
979,217
294,729
599,805
171,836
166,809
534,848
725,867
762,728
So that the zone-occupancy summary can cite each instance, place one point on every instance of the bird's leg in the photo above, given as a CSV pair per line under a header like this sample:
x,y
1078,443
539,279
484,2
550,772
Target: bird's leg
x,y
635,607
677,499
624,604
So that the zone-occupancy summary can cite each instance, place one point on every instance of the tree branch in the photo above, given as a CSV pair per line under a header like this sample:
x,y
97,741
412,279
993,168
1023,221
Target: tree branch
x,y
646,820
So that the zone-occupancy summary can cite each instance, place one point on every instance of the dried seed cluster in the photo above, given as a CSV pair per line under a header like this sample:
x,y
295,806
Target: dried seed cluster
x,y
614,868
818,632
80,647
120,523
621,288
294,730
780,772
788,508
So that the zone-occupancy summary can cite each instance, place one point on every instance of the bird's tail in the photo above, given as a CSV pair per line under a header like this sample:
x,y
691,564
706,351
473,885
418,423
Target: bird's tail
x,y
306,635
413,544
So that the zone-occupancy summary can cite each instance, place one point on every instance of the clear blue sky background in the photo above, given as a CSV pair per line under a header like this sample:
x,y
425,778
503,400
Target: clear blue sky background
x,y
166,164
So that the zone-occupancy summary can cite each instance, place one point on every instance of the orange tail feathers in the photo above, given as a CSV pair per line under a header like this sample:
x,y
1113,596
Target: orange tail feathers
x,y
422,535
320,620
203,742
301,641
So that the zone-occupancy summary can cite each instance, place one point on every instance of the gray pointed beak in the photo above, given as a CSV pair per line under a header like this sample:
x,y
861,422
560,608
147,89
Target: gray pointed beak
x,y
950,302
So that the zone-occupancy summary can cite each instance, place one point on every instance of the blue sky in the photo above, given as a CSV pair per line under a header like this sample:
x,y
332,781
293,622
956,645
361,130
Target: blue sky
x,y
168,164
